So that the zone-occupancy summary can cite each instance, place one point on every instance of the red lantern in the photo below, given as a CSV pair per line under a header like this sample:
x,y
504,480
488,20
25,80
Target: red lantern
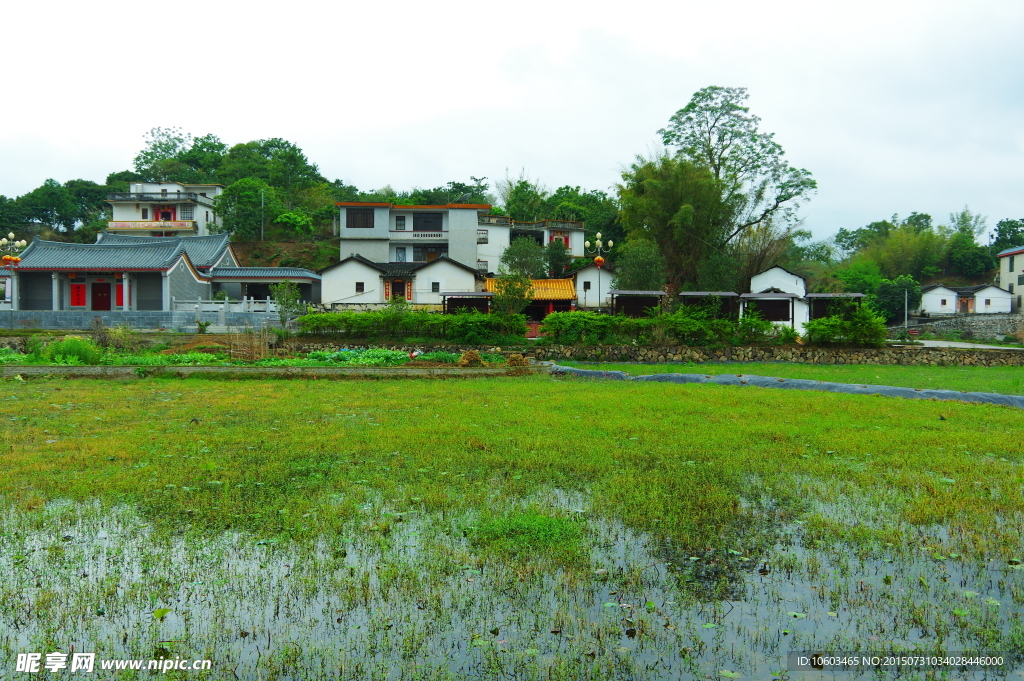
x,y
599,261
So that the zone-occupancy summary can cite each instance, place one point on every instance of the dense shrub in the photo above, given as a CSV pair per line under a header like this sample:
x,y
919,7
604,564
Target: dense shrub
x,y
690,325
393,323
859,326
74,350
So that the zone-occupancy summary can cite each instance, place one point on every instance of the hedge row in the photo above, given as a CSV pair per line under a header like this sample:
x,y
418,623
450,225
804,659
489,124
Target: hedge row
x,y
472,328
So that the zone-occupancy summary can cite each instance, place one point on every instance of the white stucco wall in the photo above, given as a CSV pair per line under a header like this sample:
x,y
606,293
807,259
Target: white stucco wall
x,y
597,296
931,301
1011,279
338,284
999,300
498,239
447,276
776,277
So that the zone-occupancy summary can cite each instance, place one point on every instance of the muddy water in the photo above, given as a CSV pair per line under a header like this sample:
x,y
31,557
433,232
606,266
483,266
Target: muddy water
x,y
408,596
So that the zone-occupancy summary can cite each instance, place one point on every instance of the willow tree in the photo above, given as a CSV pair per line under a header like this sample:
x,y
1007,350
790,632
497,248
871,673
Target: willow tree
x,y
681,208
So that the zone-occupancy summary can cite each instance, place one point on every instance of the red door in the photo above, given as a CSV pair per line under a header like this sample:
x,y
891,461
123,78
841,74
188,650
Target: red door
x,y
100,296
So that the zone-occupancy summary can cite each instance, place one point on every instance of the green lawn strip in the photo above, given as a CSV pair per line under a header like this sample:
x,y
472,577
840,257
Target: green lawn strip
x,y
300,458
1004,380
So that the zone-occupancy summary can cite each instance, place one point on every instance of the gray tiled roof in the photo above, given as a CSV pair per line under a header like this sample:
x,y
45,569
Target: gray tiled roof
x,y
52,255
203,251
263,273
1015,249
400,269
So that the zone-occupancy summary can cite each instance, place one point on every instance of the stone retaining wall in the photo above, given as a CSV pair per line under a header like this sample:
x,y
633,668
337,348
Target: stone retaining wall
x,y
980,326
807,355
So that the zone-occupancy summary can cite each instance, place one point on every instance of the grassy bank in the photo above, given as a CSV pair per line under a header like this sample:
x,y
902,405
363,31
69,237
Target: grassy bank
x,y
529,527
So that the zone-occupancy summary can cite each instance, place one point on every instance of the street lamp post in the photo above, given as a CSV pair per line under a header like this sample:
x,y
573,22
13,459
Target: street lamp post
x,y
598,249
11,245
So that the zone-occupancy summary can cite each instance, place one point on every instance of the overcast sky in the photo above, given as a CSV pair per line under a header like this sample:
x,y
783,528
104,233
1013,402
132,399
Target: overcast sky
x,y
894,106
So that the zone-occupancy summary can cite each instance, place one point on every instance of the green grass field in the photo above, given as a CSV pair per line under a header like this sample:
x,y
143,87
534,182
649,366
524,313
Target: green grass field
x,y
1004,380
531,527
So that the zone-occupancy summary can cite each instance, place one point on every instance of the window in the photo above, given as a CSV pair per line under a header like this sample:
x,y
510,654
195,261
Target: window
x,y
1020,278
145,213
163,191
586,286
359,287
400,254
482,236
187,211
435,287
481,265
428,253
943,302
988,301
1011,263
1011,288
359,218
427,222
400,222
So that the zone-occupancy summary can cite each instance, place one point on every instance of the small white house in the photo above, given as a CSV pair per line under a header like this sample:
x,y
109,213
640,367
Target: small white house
x,y
359,281
985,299
592,286
937,299
981,299
778,295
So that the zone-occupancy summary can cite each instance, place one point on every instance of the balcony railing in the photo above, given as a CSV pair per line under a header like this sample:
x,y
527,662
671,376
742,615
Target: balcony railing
x,y
548,224
494,220
166,226
406,234
158,197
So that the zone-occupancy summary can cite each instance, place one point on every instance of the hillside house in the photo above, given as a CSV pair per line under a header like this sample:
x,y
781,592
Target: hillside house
x,y
164,209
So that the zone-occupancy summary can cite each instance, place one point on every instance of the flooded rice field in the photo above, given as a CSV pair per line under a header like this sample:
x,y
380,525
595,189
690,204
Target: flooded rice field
x,y
550,591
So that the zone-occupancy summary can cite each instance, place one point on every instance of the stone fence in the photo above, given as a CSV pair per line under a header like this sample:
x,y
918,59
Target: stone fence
x,y
907,355
980,326
904,355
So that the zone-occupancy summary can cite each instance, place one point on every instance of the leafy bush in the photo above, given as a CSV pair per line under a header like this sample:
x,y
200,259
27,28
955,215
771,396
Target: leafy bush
x,y
10,356
398,322
786,335
74,349
859,327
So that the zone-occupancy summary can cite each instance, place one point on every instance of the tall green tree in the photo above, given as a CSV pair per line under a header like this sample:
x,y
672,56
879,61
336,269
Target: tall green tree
x,y
524,257
171,155
717,132
246,206
277,162
51,205
680,207
967,257
556,258
892,296
639,266
1009,234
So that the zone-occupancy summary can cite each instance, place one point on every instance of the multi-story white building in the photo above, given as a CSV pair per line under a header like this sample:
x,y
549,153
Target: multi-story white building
x,y
164,209
405,237
1011,274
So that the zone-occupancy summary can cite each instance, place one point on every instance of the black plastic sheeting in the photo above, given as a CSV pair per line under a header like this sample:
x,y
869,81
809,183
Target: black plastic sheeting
x,y
800,384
